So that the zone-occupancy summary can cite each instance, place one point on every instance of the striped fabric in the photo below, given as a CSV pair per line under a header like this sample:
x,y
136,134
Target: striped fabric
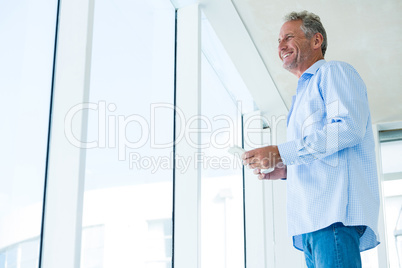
x,y
330,158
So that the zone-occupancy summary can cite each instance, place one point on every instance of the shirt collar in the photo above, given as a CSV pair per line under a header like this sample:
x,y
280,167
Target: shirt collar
x,y
313,68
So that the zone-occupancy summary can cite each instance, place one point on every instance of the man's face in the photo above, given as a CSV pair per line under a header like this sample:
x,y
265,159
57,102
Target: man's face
x,y
294,48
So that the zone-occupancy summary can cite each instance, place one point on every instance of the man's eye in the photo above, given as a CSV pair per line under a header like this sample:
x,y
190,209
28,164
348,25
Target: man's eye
x,y
286,38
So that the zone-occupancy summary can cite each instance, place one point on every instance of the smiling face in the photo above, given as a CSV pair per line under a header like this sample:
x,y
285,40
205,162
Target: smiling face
x,y
295,50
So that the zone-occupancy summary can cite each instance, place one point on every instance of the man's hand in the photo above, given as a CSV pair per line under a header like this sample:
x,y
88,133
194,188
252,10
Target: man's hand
x,y
262,158
280,172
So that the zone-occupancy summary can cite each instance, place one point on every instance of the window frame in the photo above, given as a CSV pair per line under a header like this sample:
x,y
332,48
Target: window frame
x,y
63,204
383,258
66,166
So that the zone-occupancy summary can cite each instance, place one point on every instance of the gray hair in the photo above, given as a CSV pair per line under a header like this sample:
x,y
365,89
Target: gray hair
x,y
311,24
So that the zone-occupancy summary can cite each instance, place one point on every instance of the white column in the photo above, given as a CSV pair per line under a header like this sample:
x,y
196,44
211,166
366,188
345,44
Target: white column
x,y
66,166
187,182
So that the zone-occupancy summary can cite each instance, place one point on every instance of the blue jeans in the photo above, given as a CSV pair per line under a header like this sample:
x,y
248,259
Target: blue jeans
x,y
334,246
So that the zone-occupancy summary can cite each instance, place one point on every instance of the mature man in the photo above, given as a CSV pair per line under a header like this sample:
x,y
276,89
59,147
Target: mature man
x,y
329,159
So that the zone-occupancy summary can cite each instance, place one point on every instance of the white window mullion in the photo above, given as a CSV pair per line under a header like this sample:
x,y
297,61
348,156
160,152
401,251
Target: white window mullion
x,y
258,227
382,251
267,240
187,179
285,254
66,166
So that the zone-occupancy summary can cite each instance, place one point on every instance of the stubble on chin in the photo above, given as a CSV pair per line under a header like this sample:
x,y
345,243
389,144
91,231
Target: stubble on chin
x,y
290,66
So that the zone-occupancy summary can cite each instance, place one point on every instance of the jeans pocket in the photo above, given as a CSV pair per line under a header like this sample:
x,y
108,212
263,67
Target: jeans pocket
x,y
360,229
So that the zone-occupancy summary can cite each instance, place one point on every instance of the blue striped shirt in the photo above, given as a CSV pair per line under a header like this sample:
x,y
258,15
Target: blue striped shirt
x,y
330,157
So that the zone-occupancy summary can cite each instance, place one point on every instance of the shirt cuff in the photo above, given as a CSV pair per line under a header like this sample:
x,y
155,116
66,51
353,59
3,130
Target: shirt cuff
x,y
288,152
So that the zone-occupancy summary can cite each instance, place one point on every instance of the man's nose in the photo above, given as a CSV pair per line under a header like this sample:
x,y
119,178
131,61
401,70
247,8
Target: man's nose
x,y
281,45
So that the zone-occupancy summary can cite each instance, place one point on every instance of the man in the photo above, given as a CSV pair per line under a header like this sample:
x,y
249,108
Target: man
x,y
329,159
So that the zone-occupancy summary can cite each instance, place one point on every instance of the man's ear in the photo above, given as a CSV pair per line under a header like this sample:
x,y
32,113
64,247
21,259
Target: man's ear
x,y
317,40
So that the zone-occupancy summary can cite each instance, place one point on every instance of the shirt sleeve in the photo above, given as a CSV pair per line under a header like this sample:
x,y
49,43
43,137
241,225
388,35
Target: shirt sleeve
x,y
346,117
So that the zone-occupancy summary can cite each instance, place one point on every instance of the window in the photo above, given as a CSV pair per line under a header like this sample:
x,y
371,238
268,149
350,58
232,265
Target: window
x,y
128,160
129,172
222,228
391,158
92,246
224,98
21,255
159,243
25,80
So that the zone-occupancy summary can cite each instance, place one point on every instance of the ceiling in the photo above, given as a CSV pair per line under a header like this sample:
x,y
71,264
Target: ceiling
x,y
364,33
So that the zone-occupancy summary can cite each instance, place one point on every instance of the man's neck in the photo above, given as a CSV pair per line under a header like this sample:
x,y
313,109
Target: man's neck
x,y
307,64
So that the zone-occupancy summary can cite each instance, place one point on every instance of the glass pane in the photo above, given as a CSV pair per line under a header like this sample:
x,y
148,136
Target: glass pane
x,y
29,253
3,260
391,156
92,246
27,31
12,257
224,69
222,229
129,173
